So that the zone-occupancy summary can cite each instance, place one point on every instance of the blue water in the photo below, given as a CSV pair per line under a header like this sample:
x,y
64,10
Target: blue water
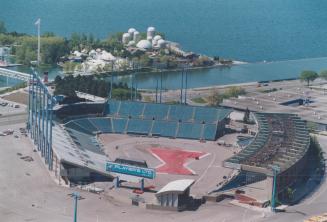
x,y
253,31
236,74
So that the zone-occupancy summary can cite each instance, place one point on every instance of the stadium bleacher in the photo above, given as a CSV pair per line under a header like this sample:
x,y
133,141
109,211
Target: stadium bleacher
x,y
164,128
282,140
139,126
190,130
209,132
155,111
181,113
86,124
133,110
102,124
119,125
85,142
176,121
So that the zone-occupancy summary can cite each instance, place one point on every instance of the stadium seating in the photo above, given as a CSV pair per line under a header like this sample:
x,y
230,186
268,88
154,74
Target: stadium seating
x,y
74,126
209,132
119,125
282,140
179,121
190,130
102,124
156,111
113,107
164,128
132,109
181,113
86,124
139,126
85,142
208,115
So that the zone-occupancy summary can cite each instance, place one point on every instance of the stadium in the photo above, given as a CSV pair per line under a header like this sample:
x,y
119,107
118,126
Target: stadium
x,y
177,144
83,135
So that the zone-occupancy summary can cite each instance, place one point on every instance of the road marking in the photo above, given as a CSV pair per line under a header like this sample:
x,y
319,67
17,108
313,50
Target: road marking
x,y
209,166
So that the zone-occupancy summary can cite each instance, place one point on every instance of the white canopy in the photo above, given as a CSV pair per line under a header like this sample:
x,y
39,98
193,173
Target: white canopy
x,y
177,186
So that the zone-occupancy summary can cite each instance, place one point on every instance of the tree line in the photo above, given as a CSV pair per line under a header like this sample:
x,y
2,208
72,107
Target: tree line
x,y
53,47
310,76
92,85
215,97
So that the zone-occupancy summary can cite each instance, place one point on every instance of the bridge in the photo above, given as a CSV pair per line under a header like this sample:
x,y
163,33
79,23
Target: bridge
x,y
14,74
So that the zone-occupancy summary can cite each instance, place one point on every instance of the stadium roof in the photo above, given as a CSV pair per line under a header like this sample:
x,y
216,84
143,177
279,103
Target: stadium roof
x,y
67,151
177,186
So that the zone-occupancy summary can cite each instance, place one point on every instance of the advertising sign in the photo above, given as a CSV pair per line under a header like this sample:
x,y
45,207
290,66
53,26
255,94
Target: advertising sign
x,y
131,170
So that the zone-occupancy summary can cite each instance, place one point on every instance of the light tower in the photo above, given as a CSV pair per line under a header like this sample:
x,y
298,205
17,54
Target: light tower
x,y
276,170
38,24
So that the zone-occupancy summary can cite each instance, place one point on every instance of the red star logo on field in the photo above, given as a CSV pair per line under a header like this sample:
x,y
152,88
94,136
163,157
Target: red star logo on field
x,y
175,161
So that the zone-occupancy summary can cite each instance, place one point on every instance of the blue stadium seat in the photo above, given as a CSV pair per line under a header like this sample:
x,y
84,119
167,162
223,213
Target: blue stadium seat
x,y
139,126
181,112
133,109
156,111
164,128
206,114
137,117
190,130
86,124
113,107
102,124
85,142
209,132
119,125
74,126
223,113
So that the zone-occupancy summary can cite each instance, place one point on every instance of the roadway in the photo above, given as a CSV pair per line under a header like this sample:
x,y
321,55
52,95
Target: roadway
x,y
13,119
14,74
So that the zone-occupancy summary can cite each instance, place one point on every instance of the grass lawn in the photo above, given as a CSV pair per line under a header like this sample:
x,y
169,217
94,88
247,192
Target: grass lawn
x,y
199,100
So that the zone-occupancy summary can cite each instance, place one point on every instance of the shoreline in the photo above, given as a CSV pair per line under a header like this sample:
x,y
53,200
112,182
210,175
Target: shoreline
x,y
227,85
129,72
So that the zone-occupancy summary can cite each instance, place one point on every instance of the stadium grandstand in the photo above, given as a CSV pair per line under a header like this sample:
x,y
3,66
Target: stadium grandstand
x,y
282,141
150,119
78,155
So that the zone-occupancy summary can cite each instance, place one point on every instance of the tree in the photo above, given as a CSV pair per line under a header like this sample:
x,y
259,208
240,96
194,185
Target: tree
x,y
323,74
308,76
74,42
2,27
144,61
234,91
214,98
57,79
48,34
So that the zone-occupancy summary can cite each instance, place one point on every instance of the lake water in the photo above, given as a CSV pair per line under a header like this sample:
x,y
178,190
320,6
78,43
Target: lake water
x,y
252,31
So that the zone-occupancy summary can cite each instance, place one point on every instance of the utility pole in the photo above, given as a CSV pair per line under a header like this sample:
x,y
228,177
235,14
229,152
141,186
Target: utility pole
x,y
38,24
112,79
160,85
76,197
275,170
185,86
132,85
182,86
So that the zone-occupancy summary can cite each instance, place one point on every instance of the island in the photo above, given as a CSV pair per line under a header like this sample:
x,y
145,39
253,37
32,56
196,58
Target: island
x,y
122,52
